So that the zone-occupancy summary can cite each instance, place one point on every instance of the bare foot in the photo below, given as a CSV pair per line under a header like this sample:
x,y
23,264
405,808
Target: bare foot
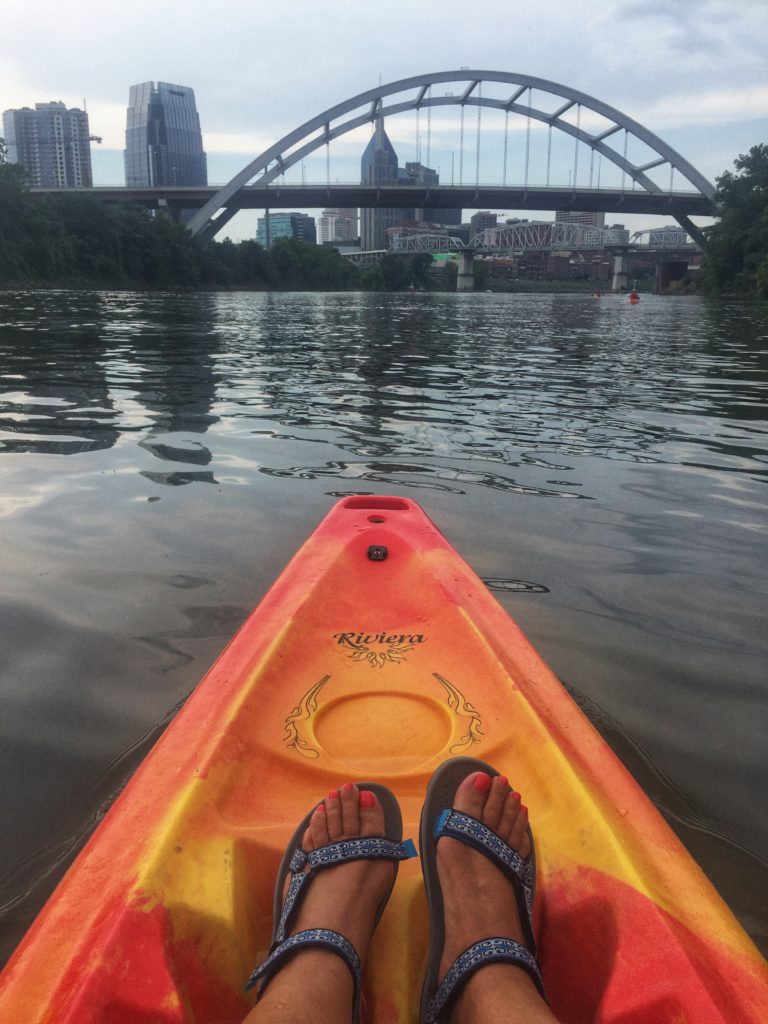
x,y
315,984
345,897
479,899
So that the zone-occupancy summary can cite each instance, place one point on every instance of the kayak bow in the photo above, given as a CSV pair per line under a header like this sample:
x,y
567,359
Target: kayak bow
x,y
377,654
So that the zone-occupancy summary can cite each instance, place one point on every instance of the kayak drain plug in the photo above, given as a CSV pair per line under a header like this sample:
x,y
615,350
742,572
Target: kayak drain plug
x,y
377,552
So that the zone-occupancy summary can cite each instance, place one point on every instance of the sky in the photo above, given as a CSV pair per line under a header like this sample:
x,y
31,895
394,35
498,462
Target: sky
x,y
696,74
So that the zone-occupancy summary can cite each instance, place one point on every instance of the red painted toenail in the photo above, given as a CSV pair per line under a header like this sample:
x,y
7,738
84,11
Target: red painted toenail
x,y
347,787
482,782
524,808
321,808
502,780
333,795
515,796
367,799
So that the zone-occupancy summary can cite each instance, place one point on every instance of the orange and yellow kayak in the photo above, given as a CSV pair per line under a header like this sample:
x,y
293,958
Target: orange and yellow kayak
x,y
377,654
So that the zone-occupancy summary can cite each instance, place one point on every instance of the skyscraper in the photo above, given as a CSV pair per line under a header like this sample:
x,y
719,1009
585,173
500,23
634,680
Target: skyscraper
x,y
51,143
379,167
163,143
421,175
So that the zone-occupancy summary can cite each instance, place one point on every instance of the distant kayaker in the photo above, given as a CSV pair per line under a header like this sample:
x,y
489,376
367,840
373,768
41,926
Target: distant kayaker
x,y
338,873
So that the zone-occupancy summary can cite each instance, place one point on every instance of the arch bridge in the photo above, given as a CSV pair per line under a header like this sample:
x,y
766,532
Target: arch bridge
x,y
585,119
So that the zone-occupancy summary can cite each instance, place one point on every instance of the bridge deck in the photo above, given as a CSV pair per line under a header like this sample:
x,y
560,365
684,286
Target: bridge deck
x,y
498,197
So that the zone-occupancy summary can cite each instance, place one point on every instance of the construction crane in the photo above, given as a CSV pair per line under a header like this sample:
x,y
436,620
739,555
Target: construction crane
x,y
94,138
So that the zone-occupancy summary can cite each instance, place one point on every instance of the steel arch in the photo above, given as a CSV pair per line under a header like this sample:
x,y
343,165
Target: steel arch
x,y
203,223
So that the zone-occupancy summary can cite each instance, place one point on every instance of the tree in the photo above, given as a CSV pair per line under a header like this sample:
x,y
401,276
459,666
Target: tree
x,y
451,275
3,151
481,272
738,242
420,265
395,273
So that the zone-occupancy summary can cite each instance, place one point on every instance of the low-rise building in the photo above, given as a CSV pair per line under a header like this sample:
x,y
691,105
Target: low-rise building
x,y
286,225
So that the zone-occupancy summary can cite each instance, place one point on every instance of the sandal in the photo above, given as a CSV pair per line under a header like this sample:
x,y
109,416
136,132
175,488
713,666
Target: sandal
x,y
303,867
438,818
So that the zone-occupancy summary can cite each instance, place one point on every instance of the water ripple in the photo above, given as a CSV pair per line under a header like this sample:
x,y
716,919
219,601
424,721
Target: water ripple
x,y
496,411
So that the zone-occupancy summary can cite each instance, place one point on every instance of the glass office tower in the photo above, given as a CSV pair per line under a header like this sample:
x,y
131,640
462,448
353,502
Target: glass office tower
x,y
286,225
163,143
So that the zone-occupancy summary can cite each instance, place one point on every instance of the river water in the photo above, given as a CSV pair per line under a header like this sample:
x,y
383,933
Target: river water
x,y
602,466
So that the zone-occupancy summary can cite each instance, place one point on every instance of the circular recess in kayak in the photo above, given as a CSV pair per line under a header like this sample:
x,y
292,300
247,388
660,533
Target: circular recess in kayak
x,y
382,731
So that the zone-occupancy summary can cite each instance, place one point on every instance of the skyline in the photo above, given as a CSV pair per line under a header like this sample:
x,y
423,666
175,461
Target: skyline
x,y
693,75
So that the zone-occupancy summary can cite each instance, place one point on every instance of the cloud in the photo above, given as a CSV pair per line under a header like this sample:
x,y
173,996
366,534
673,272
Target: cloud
x,y
674,66
714,106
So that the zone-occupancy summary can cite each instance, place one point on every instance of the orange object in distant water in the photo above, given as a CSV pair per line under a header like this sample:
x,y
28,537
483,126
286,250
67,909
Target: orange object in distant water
x,y
376,655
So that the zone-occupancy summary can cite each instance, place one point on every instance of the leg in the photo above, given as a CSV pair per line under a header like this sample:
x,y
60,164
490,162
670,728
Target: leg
x,y
315,985
479,902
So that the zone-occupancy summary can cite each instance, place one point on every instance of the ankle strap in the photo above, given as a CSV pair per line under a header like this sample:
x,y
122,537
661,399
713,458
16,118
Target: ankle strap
x,y
312,938
494,950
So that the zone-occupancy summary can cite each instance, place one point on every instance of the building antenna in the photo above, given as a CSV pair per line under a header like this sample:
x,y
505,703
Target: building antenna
x,y
85,106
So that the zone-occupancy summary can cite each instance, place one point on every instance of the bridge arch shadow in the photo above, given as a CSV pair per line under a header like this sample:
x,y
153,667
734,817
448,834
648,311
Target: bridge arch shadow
x,y
367,107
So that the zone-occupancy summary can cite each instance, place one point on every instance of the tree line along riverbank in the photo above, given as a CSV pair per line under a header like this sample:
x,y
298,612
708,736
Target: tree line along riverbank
x,y
73,241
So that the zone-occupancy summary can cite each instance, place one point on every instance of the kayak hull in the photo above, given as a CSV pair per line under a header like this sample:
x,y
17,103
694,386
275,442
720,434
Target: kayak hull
x,y
361,666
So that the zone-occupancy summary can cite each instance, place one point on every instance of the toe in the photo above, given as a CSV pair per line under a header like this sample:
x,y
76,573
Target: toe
x,y
333,815
494,804
371,814
472,793
318,828
307,842
518,837
508,814
350,816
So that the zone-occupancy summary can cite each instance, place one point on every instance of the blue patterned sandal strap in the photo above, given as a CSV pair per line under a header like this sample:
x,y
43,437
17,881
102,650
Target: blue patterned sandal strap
x,y
368,848
363,848
474,833
317,938
488,951
469,830
291,903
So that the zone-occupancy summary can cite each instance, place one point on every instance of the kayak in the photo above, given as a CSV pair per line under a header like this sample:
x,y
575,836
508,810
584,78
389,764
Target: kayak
x,y
376,655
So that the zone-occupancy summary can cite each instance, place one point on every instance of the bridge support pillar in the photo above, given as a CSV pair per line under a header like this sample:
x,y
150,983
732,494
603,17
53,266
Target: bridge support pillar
x,y
465,281
620,265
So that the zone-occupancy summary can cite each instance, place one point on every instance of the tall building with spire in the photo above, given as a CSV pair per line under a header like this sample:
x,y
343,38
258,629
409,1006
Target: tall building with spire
x,y
163,142
51,143
379,167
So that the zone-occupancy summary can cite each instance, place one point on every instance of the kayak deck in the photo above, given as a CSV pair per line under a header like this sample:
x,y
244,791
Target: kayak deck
x,y
375,670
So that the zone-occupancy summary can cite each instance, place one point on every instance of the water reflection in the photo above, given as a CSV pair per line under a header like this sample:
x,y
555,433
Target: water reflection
x,y
93,366
124,577
407,376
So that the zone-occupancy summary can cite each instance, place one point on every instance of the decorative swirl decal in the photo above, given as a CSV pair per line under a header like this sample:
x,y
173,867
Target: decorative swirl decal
x,y
378,659
299,718
462,709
